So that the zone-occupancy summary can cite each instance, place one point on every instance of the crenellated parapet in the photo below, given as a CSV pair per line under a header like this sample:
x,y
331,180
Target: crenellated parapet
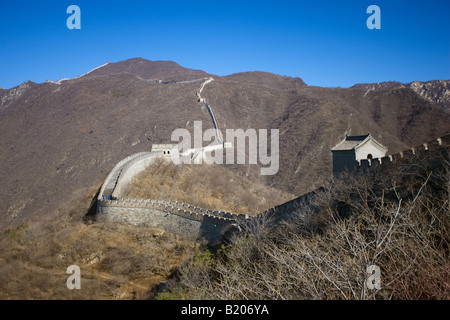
x,y
174,207
404,157
175,216
189,220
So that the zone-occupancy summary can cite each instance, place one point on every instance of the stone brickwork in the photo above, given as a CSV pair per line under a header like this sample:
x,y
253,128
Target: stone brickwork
x,y
407,157
194,222
403,157
174,216
131,169
111,180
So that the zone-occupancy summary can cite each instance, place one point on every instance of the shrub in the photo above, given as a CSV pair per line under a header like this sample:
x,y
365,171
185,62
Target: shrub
x,y
397,221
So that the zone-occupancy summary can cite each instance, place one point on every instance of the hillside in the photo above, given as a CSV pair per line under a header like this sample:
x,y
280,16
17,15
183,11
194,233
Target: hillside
x,y
59,141
437,91
382,235
205,186
142,69
311,120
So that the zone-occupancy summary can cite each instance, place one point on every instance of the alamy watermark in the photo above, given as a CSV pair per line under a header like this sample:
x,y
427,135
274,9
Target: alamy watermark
x,y
235,146
373,280
374,20
74,21
74,281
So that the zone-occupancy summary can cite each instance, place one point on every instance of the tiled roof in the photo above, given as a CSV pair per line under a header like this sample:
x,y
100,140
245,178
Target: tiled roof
x,y
352,142
346,145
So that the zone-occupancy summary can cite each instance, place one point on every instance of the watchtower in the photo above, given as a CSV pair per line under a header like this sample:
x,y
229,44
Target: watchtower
x,y
164,149
348,153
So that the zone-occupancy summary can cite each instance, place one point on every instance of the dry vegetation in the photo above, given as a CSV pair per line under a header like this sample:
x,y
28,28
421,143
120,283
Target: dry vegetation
x,y
398,221
78,131
207,186
116,261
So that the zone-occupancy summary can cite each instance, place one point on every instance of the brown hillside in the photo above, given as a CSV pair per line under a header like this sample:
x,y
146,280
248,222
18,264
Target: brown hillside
x,y
59,142
142,68
311,120
205,186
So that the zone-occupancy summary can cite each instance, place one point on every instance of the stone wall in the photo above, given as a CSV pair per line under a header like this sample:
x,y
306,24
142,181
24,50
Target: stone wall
x,y
111,180
173,216
176,207
194,222
343,160
406,156
131,169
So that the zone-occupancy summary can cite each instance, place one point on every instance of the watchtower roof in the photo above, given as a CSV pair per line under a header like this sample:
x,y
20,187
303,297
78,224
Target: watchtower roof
x,y
357,138
162,146
354,142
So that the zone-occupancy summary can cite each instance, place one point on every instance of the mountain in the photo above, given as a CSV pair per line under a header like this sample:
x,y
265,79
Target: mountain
x,y
267,80
59,140
437,92
143,69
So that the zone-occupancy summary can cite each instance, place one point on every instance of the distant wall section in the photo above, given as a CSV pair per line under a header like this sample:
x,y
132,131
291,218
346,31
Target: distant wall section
x,y
131,169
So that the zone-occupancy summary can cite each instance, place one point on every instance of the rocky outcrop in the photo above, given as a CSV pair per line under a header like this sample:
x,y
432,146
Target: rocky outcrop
x,y
437,91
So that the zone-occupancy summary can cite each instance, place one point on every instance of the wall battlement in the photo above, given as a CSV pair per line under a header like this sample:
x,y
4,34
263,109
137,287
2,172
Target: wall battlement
x,y
403,157
175,216
174,207
191,221
406,156
364,166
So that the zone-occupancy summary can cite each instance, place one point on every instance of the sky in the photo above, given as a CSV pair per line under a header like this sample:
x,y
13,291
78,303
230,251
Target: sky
x,y
326,43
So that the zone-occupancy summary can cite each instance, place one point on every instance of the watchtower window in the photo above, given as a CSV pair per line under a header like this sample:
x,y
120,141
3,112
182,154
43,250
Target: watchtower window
x,y
369,156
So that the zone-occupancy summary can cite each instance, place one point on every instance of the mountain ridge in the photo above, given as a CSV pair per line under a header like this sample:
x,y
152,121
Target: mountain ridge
x,y
436,91
148,69
59,141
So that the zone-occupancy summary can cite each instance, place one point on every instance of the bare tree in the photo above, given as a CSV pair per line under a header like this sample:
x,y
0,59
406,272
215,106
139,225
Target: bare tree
x,y
390,227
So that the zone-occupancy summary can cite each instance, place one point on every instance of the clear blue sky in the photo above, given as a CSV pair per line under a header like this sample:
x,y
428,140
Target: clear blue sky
x,y
326,43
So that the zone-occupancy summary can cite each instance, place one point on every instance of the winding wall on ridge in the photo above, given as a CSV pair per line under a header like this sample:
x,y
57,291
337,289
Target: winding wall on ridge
x,y
414,156
195,222
174,216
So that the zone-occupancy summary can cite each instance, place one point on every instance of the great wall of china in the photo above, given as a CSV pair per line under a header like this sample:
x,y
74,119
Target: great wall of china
x,y
404,156
194,222
173,216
